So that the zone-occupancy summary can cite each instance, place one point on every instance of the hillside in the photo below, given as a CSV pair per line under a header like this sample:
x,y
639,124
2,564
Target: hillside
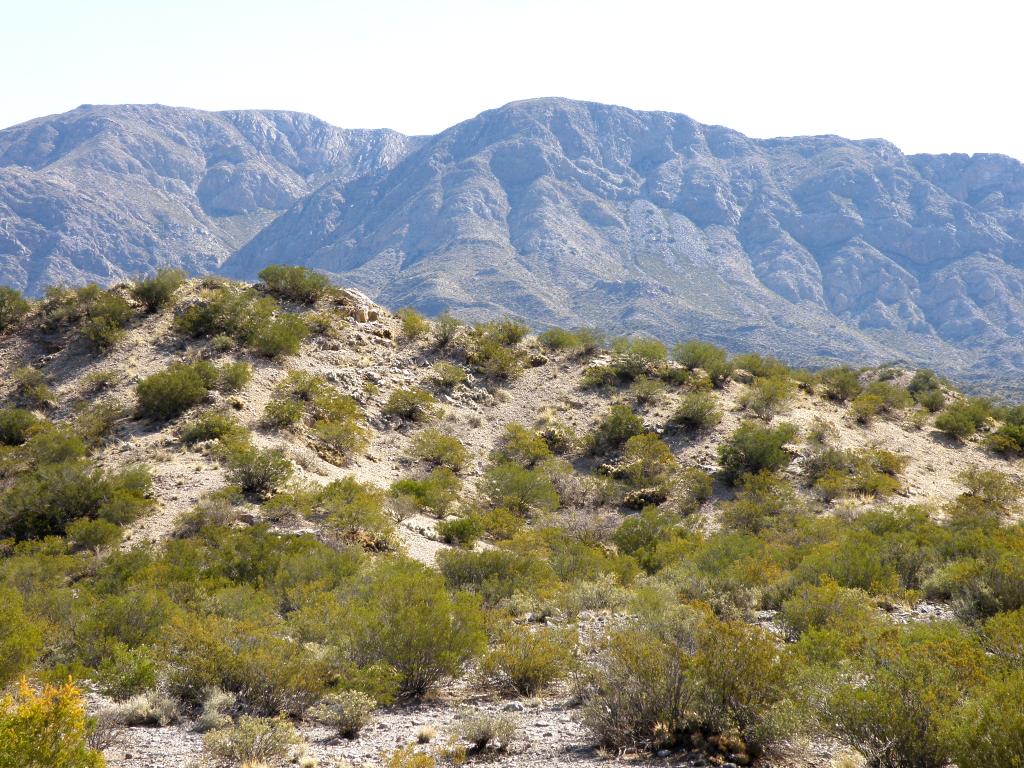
x,y
294,493
815,249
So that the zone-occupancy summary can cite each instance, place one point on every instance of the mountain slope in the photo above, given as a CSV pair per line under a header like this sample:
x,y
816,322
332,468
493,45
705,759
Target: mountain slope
x,y
576,213
103,192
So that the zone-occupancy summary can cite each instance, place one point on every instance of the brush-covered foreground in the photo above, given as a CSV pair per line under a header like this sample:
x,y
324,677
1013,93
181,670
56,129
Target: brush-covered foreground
x,y
272,524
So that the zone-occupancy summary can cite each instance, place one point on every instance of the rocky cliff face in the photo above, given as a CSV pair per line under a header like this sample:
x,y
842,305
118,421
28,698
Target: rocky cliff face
x,y
812,248
578,213
104,192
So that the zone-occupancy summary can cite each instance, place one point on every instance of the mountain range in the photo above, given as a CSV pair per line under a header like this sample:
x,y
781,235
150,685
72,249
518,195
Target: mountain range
x,y
555,211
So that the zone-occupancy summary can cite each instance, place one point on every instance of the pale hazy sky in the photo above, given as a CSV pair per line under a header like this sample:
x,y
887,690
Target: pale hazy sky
x,y
929,76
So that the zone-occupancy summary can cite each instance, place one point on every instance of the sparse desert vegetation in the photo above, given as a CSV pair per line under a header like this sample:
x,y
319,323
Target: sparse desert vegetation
x,y
257,524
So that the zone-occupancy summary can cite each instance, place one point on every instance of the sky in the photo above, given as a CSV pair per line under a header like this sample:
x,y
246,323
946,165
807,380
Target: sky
x,y
929,76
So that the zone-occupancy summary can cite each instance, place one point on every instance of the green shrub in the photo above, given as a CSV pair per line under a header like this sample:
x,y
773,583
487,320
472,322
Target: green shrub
x,y
1004,636
433,494
906,687
31,387
761,367
709,358
253,741
278,414
211,425
615,428
766,397
839,384
13,307
93,536
647,462
600,377
157,291
411,405
281,337
414,325
440,449
105,319
962,419
636,357
696,411
495,360
346,712
495,574
926,389
21,638
826,605
127,672
43,502
15,425
753,448
1008,439
446,330
448,375
558,340
234,376
641,532
528,662
342,437
645,390
97,420
526,492
694,487
169,393
460,531
46,728
297,284
405,618
521,445
764,501
988,729
259,472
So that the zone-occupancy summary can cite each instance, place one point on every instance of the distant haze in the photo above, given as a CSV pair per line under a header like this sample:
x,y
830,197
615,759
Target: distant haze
x,y
931,77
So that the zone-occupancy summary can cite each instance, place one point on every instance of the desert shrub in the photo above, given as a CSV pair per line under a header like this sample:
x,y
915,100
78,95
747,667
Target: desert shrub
x,y
765,500
448,375
94,536
439,448
43,502
233,376
253,741
694,486
446,330
527,662
461,531
46,728
762,367
156,292
21,639
341,437
874,471
1007,439
127,672
907,686
883,397
298,284
766,397
404,617
495,574
497,361
433,494
279,414
697,410
13,307
615,428
105,318
169,393
559,436
634,357
559,340
988,729
600,377
865,407
228,311
413,404
211,425
825,605
521,445
346,712
926,388
280,337
1004,635
15,425
31,387
97,420
485,730
354,509
213,712
638,693
753,448
839,384
711,359
962,419
645,390
151,708
408,757
647,462
258,471
640,533
523,491
995,490
414,325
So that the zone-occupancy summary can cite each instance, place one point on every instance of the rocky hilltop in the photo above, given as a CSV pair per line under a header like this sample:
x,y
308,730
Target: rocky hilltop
x,y
555,211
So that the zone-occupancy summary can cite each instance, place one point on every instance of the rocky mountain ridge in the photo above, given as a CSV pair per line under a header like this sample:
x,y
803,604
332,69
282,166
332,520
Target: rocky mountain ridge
x,y
555,211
